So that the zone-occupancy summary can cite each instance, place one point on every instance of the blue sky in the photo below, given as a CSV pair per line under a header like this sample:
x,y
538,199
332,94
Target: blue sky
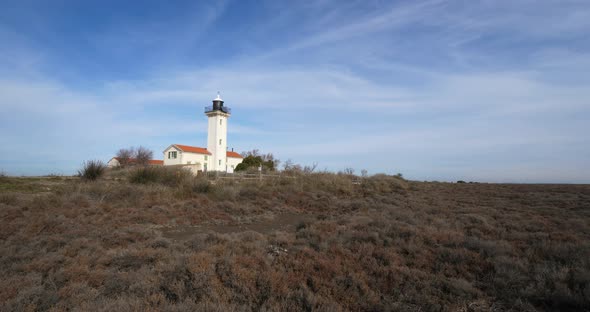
x,y
495,91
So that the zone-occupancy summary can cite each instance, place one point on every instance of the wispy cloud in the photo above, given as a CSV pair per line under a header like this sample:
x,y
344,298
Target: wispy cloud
x,y
435,90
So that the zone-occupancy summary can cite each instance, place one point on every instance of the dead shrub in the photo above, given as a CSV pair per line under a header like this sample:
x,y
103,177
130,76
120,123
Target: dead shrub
x,y
129,261
328,182
46,202
383,184
36,298
160,243
373,246
199,185
461,288
489,248
92,170
9,199
170,176
249,191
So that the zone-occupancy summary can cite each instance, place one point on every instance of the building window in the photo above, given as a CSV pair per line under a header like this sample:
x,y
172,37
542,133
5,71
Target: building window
x,y
205,157
219,141
172,155
220,120
220,162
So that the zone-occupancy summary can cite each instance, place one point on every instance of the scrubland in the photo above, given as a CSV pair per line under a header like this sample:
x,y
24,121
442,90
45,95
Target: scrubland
x,y
132,242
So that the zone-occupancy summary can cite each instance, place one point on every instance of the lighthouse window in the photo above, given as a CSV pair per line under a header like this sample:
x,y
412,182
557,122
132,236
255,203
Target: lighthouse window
x,y
220,120
219,141
220,162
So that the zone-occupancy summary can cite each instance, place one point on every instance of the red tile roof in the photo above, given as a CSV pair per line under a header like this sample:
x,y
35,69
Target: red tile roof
x,y
234,154
193,149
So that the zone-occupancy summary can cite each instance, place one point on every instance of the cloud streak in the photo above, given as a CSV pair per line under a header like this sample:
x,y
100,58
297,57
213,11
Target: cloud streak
x,y
435,90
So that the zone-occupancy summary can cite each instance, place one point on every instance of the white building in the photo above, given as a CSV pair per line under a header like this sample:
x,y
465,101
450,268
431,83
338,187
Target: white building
x,y
215,157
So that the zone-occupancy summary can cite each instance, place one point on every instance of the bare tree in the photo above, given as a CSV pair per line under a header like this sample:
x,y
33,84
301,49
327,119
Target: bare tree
x,y
310,169
270,161
125,156
288,164
143,155
253,153
291,167
276,163
349,171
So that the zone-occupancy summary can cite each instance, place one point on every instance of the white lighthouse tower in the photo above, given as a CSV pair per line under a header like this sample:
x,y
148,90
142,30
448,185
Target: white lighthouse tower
x,y
217,134
215,157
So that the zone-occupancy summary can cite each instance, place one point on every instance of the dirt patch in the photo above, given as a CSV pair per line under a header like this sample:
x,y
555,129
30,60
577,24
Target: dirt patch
x,y
281,222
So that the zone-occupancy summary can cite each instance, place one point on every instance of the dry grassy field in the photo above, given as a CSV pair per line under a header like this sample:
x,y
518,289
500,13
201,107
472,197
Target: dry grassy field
x,y
315,243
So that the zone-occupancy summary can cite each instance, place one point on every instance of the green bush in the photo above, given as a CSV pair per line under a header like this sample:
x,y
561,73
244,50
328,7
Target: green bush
x,y
170,176
92,170
253,162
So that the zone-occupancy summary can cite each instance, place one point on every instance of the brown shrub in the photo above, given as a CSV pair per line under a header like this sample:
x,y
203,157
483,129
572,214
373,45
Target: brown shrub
x,y
9,199
383,244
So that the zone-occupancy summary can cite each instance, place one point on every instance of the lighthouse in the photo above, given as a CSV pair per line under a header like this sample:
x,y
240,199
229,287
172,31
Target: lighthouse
x,y
215,157
217,134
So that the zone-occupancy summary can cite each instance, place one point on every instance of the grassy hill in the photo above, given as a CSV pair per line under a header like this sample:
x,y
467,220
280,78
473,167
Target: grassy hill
x,y
315,242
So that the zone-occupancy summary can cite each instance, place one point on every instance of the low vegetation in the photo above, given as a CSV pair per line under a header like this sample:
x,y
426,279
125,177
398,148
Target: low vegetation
x,y
92,170
148,239
170,176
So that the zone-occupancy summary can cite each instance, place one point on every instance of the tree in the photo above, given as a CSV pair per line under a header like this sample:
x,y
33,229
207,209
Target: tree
x,y
310,169
125,156
143,155
349,171
253,152
134,156
253,159
249,162
288,165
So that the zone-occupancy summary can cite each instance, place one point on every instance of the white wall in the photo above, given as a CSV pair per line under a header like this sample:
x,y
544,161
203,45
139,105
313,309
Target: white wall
x,y
217,131
194,169
172,161
187,158
113,163
194,158
232,161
